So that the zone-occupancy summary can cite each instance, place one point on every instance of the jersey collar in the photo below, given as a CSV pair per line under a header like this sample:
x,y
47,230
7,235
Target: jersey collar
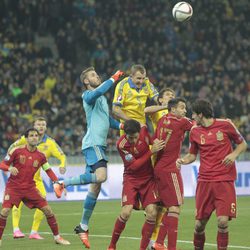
x,y
133,86
44,138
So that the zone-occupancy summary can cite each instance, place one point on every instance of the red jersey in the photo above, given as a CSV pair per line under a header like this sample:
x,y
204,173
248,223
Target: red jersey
x,y
136,157
214,143
27,164
171,129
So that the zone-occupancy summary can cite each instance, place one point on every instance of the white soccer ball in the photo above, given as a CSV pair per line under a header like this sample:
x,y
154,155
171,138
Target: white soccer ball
x,y
182,11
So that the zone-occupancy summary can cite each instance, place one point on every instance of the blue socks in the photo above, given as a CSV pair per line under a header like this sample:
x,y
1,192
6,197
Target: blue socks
x,y
85,178
89,206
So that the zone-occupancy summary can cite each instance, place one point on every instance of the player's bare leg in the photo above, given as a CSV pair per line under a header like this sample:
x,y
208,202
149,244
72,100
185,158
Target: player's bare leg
x,y
53,225
199,234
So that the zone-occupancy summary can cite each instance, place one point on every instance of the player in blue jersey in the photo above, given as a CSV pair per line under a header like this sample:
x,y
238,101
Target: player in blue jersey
x,y
93,144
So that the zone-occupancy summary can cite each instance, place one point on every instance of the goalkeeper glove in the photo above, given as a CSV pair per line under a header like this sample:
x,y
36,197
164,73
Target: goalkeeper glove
x,y
118,75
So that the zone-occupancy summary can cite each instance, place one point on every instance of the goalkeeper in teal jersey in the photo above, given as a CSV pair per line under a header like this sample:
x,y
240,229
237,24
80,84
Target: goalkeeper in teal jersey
x,y
93,144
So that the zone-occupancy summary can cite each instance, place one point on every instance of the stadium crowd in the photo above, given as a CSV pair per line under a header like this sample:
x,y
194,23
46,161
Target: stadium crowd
x,y
207,56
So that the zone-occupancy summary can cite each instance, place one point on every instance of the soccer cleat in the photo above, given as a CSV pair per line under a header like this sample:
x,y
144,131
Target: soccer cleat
x,y
150,245
36,236
83,235
60,240
18,234
58,189
157,246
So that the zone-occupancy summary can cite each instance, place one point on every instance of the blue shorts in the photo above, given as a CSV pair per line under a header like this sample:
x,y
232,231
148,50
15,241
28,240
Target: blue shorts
x,y
94,154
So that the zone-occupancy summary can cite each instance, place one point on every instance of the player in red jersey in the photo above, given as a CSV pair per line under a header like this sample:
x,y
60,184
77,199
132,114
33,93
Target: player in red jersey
x,y
22,163
213,138
171,128
138,179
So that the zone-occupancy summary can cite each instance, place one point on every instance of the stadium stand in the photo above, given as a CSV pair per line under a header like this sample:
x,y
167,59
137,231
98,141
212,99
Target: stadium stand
x,y
205,57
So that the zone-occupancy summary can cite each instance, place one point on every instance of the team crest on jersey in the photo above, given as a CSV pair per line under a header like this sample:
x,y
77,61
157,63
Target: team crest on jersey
x,y
129,94
35,163
22,159
219,136
128,157
7,197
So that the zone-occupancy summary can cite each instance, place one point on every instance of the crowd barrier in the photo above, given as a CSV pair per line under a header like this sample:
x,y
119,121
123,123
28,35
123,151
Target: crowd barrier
x,y
112,188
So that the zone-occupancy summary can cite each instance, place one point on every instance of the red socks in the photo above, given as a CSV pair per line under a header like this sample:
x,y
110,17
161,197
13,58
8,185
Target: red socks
x,y
118,228
169,227
147,231
53,224
199,241
3,220
222,241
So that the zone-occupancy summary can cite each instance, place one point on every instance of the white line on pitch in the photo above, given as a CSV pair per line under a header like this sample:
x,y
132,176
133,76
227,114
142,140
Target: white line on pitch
x,y
136,238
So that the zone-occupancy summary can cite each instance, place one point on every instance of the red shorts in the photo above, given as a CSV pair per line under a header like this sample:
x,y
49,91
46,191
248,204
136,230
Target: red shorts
x,y
31,198
143,190
219,196
170,186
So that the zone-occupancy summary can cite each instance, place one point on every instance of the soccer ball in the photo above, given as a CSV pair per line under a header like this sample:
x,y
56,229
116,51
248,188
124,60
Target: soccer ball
x,y
182,11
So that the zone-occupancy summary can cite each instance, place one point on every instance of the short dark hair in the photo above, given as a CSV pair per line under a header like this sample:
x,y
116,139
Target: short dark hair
x,y
26,134
137,67
131,127
162,91
84,73
39,118
174,102
204,107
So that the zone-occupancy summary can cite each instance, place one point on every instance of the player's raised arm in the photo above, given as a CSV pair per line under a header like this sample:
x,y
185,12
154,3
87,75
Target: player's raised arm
x,y
115,124
154,108
91,96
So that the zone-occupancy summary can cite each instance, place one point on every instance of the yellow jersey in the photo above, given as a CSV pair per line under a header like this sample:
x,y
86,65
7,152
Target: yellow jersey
x,y
47,146
155,117
133,100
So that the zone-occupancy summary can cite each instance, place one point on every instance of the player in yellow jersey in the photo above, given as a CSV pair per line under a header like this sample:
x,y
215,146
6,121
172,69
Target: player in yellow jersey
x,y
155,113
50,148
131,95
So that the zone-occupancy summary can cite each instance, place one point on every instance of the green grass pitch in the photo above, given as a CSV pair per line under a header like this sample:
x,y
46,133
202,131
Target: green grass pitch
x,y
69,215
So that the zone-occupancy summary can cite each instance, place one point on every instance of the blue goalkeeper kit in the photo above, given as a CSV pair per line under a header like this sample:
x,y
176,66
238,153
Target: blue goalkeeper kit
x,y
98,123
